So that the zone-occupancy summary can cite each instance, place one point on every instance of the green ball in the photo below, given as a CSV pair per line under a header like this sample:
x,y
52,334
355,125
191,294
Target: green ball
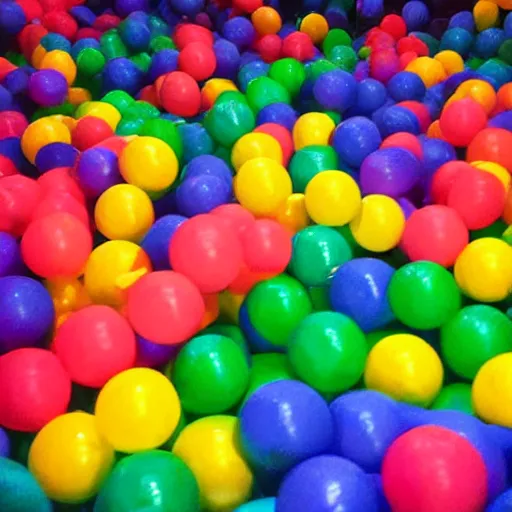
x,y
229,119
423,295
505,52
344,57
473,336
165,130
142,61
319,67
155,480
210,374
317,252
112,46
232,332
121,100
455,397
264,91
319,296
308,162
161,42
335,116
129,126
335,37
328,351
276,307
141,110
289,73
372,338
90,62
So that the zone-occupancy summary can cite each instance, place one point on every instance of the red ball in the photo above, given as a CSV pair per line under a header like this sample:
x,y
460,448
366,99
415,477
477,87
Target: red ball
x,y
60,180
384,64
88,32
404,140
198,60
434,233
31,8
149,95
106,22
493,145
234,216
53,5
180,95
63,202
94,344
35,389
7,167
5,68
443,179
61,23
247,6
298,45
406,58
116,144
478,197
461,121
247,279
205,250
420,111
89,131
12,124
282,135
269,47
29,38
19,196
394,25
165,307
56,245
187,33
433,469
412,44
378,39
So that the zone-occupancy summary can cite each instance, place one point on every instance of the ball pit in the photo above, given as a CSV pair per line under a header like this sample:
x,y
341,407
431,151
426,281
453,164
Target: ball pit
x,y
255,256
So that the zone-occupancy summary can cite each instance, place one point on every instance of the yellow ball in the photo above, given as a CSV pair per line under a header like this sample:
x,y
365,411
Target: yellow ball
x,y
406,368
213,88
332,198
315,26
255,145
38,56
313,128
262,185
68,294
70,459
111,268
60,61
137,410
431,71
379,224
104,111
497,170
40,133
486,14
451,61
124,212
479,90
492,391
208,446
293,214
483,270
148,163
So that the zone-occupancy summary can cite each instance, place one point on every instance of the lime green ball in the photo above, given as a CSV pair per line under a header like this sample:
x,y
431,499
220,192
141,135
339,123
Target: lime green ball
x,y
165,130
455,397
276,307
344,57
289,73
473,336
121,100
423,295
335,37
211,374
364,52
328,351
308,162
317,252
90,62
264,91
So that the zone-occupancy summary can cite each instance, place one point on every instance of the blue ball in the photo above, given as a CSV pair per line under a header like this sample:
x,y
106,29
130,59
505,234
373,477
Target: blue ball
x,y
463,19
507,25
125,7
211,165
503,120
263,505
201,194
16,82
359,290
187,7
240,31
458,40
355,138
228,59
415,15
53,41
248,57
10,147
365,424
10,256
157,240
279,113
83,15
196,141
436,152
502,503
405,86
496,72
335,90
488,42
250,71
6,99
326,484
382,502
122,74
371,95
12,18
164,61
396,119
26,313
336,16
81,44
5,444
282,424
56,154
134,34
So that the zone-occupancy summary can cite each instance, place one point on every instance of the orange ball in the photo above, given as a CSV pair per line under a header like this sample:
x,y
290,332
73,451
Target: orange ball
x,y
266,20
315,26
504,97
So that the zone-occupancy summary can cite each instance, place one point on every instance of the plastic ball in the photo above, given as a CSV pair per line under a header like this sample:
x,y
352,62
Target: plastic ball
x,y
454,397
483,270
309,161
332,198
180,94
42,132
279,113
266,21
491,144
165,307
262,505
70,459
172,484
255,145
406,368
264,91
137,410
10,256
461,121
197,60
124,212
311,481
208,448
313,128
47,87
36,389
55,155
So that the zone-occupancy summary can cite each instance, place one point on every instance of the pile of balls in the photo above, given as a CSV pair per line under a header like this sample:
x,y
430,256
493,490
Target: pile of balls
x,y
251,263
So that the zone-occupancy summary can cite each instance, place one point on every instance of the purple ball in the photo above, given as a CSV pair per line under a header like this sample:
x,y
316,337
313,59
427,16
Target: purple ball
x,y
327,484
335,90
151,354
47,87
10,256
26,313
279,113
502,120
157,240
5,444
201,194
365,424
97,170
240,31
56,154
282,424
125,7
355,138
208,164
391,171
407,206
228,58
